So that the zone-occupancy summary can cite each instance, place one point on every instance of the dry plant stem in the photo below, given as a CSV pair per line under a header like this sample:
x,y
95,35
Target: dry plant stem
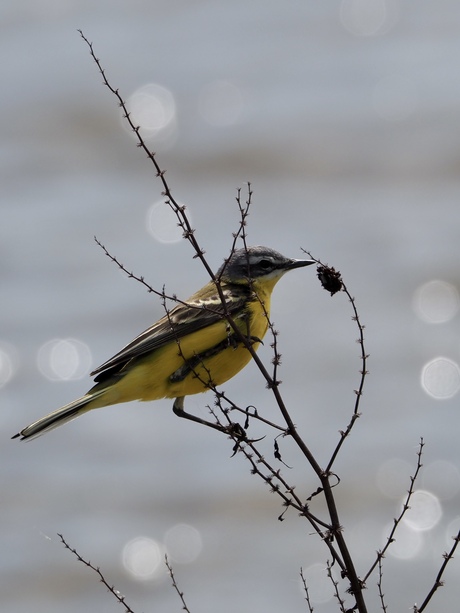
x,y
189,234
234,407
336,589
244,213
347,566
397,521
307,595
175,586
179,210
96,569
320,527
379,587
438,582
273,384
131,275
363,373
173,298
287,493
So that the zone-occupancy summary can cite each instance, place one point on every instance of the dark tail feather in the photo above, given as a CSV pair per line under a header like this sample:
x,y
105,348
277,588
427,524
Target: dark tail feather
x,y
61,416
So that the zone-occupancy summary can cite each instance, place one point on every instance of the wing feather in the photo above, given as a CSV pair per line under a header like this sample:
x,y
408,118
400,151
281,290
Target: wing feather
x,y
202,309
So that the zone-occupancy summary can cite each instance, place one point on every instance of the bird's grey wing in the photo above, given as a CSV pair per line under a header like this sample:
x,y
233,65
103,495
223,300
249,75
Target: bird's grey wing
x,y
184,319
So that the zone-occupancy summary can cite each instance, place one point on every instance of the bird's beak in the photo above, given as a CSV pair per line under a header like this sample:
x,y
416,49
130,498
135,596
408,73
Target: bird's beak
x,y
299,264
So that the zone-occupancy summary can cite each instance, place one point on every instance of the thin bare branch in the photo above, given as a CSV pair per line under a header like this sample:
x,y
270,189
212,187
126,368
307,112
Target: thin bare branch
x,y
335,584
332,282
175,586
391,537
241,232
438,582
176,207
271,379
363,372
131,275
189,234
97,570
380,587
305,589
277,484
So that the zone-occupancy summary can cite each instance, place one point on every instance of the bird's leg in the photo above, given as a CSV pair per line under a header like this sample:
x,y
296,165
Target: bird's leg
x,y
178,409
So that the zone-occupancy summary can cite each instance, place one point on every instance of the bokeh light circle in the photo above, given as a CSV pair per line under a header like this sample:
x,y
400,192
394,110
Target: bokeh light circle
x,y
425,511
153,109
440,378
451,532
7,364
162,223
436,301
183,543
407,544
143,558
64,359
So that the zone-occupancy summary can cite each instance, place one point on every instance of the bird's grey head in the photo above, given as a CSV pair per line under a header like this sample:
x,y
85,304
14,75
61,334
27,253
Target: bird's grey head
x,y
257,262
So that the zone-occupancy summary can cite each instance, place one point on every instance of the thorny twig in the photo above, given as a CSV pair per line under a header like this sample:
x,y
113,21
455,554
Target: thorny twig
x,y
189,234
176,207
438,582
333,283
272,383
363,372
390,539
175,586
305,588
335,584
97,570
380,587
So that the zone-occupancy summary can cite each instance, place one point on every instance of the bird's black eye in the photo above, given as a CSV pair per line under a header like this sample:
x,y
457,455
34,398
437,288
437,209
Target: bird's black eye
x,y
265,264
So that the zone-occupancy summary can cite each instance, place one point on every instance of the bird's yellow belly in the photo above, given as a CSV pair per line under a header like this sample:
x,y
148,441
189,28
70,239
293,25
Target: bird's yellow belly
x,y
211,371
198,361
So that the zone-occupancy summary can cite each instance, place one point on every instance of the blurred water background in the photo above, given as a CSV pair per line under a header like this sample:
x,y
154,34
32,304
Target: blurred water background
x,y
345,118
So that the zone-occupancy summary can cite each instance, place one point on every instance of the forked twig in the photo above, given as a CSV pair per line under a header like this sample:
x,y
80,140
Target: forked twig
x,y
189,234
271,380
180,212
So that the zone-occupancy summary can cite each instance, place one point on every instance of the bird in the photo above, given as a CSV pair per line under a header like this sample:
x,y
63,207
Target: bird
x,y
199,344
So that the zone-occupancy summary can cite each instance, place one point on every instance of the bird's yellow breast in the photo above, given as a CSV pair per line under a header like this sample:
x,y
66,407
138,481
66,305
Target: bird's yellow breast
x,y
220,357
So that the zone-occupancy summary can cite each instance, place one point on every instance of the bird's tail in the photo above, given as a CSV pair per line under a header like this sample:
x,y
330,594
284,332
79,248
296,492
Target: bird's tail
x,y
63,415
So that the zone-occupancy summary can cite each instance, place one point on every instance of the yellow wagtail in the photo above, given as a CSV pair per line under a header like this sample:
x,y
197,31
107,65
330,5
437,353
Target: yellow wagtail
x,y
193,347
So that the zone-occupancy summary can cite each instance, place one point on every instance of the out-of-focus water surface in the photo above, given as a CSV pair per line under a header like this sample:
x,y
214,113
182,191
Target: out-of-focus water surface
x,y
345,117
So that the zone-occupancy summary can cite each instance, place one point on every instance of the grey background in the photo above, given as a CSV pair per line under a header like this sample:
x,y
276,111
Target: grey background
x,y
367,181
